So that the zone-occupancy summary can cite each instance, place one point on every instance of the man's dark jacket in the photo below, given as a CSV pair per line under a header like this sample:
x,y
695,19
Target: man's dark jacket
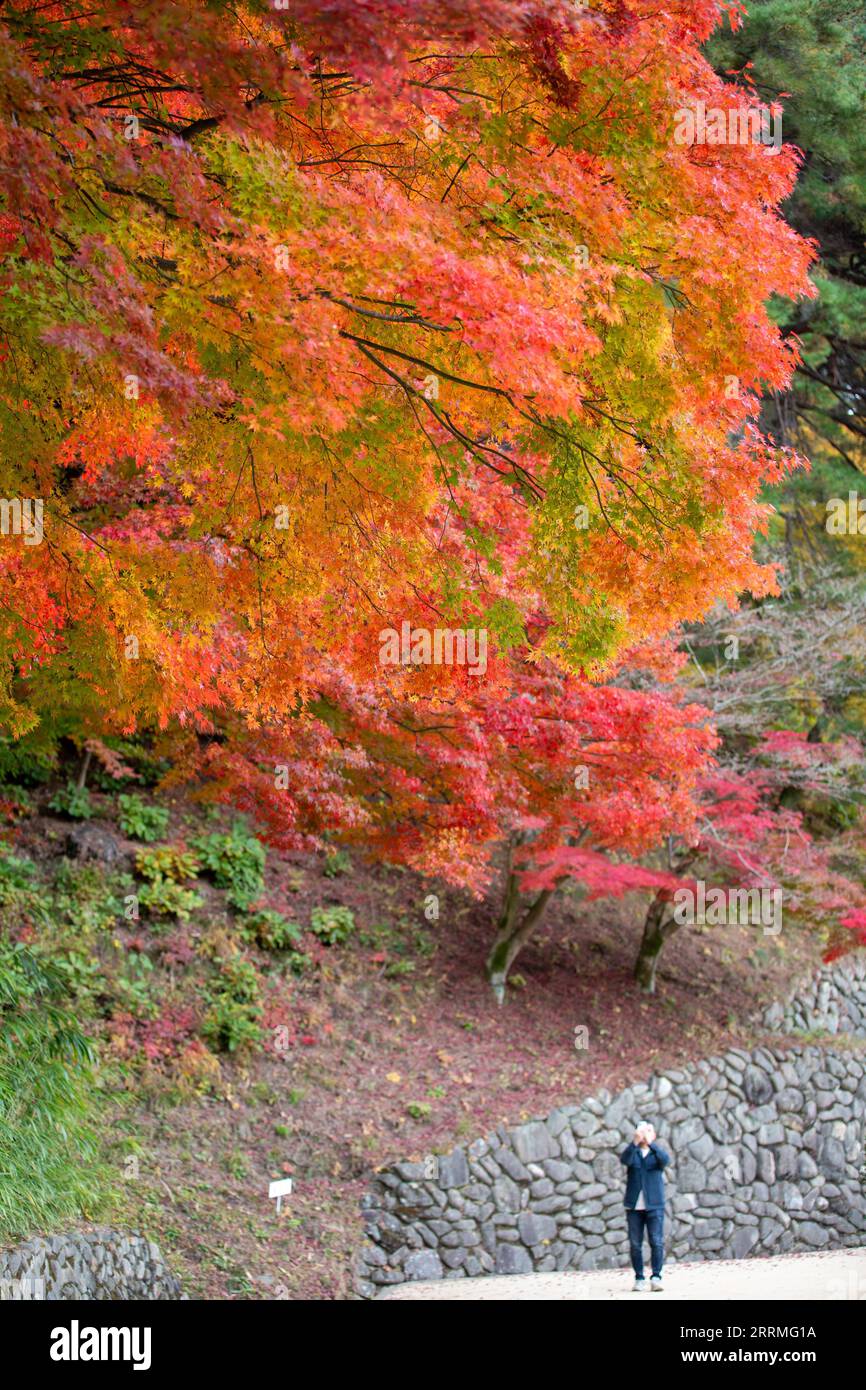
x,y
645,1175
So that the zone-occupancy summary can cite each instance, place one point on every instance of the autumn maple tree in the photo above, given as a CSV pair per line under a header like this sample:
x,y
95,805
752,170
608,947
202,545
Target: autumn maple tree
x,y
317,319
563,777
745,840
271,294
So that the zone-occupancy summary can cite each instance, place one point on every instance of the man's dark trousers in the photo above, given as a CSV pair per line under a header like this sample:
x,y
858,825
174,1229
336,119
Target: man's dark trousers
x,y
654,1223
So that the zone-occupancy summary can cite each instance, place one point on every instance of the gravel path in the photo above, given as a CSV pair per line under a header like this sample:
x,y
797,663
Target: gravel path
x,y
835,1274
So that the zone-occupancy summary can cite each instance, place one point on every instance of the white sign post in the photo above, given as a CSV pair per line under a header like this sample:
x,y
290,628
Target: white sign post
x,y
280,1190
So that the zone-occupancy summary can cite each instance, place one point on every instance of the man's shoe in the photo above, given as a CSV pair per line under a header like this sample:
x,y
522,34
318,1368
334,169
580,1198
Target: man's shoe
x,y
656,1284
639,1286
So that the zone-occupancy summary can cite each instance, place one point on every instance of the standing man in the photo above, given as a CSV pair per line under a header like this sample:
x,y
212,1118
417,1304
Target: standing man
x,y
645,1162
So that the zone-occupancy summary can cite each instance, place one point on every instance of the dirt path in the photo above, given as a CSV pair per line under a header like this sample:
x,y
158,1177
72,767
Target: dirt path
x,y
835,1274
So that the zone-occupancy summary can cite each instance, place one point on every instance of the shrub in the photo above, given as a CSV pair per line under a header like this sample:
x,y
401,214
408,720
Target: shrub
x,y
72,801
23,765
332,925
23,900
231,1022
85,899
81,973
272,931
148,766
398,968
133,987
163,898
16,801
169,861
141,821
15,872
336,863
196,1070
239,978
143,766
178,950
236,862
230,1025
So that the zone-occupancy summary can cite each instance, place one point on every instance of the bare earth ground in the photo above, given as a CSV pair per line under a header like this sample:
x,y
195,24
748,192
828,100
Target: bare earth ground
x,y
835,1274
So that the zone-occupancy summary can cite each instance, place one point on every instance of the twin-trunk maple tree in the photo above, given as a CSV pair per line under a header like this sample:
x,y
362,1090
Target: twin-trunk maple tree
x,y
319,319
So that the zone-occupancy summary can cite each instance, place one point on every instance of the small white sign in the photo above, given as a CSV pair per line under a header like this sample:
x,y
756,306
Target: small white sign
x,y
280,1190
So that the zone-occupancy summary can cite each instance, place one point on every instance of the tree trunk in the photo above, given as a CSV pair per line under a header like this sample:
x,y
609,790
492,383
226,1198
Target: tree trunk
x,y
512,934
82,774
655,933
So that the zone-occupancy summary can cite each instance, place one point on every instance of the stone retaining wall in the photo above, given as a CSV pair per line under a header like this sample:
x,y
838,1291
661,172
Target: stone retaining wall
x,y
832,1001
766,1149
97,1265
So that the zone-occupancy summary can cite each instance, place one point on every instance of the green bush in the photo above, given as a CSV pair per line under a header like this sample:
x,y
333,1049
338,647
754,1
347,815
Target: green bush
x,y
272,931
399,968
23,765
163,898
230,1025
72,801
336,863
231,1022
133,988
239,978
24,906
332,925
168,861
236,862
21,801
85,899
82,975
141,821
49,1170
15,872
